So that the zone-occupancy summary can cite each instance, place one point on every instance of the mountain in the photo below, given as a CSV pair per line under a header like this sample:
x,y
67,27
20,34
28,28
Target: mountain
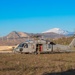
x,y
52,35
16,34
58,31
14,38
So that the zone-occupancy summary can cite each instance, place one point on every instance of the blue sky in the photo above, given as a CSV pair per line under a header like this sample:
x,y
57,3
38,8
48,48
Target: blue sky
x,y
35,16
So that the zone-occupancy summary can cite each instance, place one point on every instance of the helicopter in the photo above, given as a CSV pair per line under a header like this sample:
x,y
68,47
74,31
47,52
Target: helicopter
x,y
43,46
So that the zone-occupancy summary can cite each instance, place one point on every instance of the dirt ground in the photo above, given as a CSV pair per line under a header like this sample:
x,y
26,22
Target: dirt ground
x,y
42,64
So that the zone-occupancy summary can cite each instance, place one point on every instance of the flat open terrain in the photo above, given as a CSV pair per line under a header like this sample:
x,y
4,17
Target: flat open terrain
x,y
42,64
5,48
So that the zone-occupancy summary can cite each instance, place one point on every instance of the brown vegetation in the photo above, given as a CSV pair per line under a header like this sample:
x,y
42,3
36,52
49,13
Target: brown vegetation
x,y
43,64
10,42
63,40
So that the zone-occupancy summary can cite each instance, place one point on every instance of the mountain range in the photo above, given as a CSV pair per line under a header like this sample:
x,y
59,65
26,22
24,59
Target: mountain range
x,y
16,37
52,33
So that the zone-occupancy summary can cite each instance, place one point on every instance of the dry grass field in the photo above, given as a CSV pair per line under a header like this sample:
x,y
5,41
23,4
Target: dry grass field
x,y
42,64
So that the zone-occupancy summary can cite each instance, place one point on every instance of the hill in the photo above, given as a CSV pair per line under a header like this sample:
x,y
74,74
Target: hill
x,y
14,38
16,35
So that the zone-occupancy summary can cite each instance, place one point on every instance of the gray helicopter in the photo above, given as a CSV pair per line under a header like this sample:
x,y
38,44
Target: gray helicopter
x,y
43,46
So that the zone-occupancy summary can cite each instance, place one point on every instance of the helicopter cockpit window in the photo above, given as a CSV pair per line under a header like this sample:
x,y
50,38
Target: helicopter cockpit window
x,y
25,45
20,45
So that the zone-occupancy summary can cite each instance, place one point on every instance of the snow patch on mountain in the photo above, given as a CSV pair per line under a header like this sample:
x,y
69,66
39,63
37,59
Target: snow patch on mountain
x,y
58,31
